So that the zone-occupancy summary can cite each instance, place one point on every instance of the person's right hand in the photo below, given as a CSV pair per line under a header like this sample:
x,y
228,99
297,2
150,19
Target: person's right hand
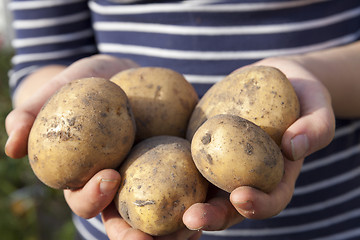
x,y
19,121
101,188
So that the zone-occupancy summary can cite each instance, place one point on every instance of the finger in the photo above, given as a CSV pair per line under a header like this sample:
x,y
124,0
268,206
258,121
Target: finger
x,y
316,127
18,125
116,227
216,214
255,204
101,66
97,193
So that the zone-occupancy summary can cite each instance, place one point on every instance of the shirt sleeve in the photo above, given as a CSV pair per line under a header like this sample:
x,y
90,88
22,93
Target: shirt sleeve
x,y
48,32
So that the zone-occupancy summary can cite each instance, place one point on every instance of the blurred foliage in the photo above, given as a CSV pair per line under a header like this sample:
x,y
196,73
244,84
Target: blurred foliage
x,y
29,210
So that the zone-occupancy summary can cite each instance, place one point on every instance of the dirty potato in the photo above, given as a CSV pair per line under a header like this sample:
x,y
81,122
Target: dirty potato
x,y
159,182
162,100
230,152
260,94
85,127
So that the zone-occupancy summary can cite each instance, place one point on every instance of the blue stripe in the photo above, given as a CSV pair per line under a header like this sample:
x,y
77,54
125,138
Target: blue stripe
x,y
55,47
94,232
49,31
50,12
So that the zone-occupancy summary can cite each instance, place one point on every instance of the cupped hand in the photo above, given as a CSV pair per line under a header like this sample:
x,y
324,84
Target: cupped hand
x,y
101,188
312,131
19,121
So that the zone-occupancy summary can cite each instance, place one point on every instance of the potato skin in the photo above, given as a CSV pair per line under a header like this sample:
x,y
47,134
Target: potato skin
x,y
230,152
159,183
162,100
260,94
85,127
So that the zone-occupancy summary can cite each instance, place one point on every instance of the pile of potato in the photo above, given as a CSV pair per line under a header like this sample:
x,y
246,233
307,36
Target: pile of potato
x,y
168,145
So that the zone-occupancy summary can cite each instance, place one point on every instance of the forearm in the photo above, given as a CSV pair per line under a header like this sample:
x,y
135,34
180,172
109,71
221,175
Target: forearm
x,y
339,70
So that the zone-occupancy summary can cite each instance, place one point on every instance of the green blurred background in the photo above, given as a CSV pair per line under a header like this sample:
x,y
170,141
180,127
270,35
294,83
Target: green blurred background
x,y
28,209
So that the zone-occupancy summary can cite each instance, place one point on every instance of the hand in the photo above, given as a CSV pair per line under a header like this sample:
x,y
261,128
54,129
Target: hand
x,y
100,190
312,131
19,121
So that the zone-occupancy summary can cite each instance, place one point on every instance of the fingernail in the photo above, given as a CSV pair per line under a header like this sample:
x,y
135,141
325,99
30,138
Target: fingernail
x,y
196,229
107,186
299,146
7,142
245,206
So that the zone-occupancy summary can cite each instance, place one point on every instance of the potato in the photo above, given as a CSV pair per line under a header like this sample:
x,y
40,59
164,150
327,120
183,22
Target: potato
x,y
161,99
85,127
231,151
260,94
159,182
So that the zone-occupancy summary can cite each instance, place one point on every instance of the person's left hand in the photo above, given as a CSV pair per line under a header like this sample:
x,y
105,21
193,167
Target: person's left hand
x,y
312,131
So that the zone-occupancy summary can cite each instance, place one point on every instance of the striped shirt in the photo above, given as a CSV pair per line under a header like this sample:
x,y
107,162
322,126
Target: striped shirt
x,y
205,40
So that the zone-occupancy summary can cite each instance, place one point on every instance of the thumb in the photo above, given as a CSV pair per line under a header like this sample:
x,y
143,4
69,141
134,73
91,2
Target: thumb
x,y
97,193
18,125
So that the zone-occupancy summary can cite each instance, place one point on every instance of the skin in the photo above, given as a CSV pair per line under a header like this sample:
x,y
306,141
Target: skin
x,y
317,72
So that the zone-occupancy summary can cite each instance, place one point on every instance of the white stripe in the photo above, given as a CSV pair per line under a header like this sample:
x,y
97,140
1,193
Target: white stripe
x,y
124,1
203,78
347,130
159,8
337,200
327,182
24,5
342,235
233,30
321,162
221,55
52,55
97,224
200,2
29,42
15,76
49,22
352,213
82,229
